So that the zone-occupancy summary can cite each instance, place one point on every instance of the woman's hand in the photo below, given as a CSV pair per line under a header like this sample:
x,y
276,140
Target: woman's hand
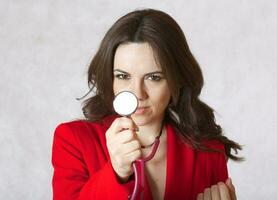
x,y
221,191
123,146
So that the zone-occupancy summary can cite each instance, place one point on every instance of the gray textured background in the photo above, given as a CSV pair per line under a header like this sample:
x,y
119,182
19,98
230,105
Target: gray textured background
x,y
45,47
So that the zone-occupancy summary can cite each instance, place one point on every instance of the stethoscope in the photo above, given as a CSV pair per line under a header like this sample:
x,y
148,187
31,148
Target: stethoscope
x,y
125,104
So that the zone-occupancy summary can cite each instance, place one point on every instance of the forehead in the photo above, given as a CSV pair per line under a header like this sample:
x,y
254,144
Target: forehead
x,y
132,56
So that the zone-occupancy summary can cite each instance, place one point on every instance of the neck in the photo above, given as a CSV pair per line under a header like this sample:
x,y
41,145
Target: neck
x,y
148,133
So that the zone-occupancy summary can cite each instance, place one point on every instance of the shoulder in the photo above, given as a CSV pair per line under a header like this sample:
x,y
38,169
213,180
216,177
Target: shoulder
x,y
83,128
208,143
215,152
74,127
214,144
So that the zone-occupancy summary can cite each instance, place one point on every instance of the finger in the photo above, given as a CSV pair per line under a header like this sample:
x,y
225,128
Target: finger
x,y
207,194
224,192
200,196
120,124
130,146
124,137
132,156
231,188
120,148
125,161
215,192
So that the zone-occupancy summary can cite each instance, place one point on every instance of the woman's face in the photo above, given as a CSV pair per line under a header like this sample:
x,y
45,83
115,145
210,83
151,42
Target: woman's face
x,y
135,70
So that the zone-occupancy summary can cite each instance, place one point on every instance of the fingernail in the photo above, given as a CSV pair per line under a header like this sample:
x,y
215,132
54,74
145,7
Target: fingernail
x,y
220,183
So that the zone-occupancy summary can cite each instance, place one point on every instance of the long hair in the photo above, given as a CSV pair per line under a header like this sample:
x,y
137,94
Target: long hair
x,y
192,119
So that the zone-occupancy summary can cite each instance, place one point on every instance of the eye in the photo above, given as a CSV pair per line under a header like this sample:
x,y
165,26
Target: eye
x,y
121,76
154,77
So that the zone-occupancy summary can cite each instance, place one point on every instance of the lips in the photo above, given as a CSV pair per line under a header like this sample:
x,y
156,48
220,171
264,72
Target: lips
x,y
141,110
142,107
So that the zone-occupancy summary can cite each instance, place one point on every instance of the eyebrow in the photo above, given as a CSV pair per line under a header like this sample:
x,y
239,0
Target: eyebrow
x,y
147,74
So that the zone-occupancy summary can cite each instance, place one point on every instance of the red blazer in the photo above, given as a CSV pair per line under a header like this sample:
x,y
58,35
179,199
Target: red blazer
x,y
83,170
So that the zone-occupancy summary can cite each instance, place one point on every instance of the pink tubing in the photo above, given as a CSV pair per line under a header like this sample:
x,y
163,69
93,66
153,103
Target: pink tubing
x,y
140,177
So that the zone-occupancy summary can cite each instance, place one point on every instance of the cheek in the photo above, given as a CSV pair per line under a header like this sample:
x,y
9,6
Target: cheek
x,y
121,85
117,87
165,99
162,97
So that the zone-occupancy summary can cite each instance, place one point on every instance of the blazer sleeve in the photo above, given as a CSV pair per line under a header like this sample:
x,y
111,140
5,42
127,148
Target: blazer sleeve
x,y
71,178
220,170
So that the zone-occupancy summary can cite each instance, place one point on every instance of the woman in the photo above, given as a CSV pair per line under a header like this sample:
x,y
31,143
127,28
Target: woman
x,y
144,52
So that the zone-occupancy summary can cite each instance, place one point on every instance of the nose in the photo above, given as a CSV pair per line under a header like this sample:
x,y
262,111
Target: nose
x,y
138,88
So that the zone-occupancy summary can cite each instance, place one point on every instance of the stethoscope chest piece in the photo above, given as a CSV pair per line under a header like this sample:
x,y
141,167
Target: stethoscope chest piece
x,y
125,103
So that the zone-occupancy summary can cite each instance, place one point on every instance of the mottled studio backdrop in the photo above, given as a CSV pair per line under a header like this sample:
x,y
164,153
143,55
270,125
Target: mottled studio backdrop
x,y
46,46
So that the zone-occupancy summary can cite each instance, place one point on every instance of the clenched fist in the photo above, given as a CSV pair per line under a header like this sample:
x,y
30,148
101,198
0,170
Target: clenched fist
x,y
123,146
220,191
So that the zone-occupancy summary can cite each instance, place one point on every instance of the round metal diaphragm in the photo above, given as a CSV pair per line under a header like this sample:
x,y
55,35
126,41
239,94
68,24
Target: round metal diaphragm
x,y
125,103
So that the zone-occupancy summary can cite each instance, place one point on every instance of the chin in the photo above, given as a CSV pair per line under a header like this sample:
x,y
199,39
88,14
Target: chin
x,y
142,120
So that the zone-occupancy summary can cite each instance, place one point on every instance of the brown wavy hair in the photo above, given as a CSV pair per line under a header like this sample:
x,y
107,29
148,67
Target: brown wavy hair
x,y
191,118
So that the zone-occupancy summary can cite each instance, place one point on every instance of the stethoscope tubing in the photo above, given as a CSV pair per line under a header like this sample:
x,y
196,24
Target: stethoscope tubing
x,y
140,177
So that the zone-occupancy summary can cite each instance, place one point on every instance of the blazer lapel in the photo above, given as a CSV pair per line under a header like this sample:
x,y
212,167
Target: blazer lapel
x,y
180,165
